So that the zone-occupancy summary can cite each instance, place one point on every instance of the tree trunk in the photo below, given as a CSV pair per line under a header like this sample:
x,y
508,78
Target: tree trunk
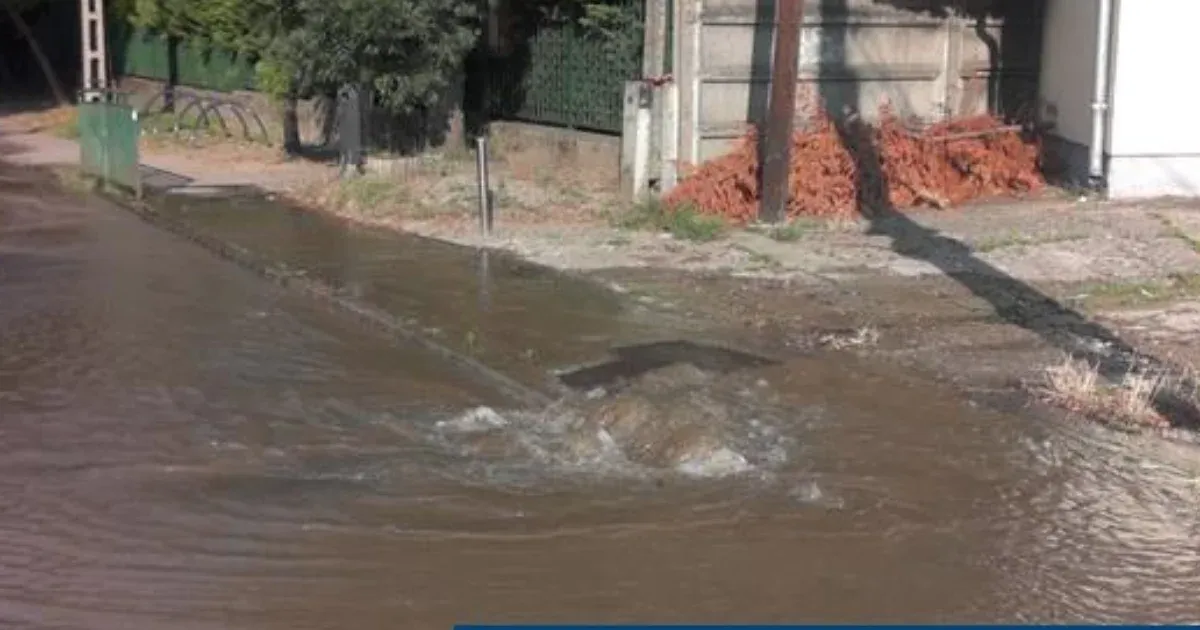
x,y
60,95
172,74
291,126
329,109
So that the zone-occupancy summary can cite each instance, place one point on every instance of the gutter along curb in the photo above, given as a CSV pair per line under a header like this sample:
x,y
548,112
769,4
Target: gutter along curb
x,y
375,318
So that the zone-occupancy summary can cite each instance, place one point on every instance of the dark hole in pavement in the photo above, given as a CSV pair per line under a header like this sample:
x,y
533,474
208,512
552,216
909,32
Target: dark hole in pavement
x,y
634,361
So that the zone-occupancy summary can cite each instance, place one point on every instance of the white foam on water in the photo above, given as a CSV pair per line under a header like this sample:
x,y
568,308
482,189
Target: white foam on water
x,y
559,441
721,462
474,421
809,492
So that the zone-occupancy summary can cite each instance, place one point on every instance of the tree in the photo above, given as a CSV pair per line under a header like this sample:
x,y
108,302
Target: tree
x,y
254,28
407,51
13,10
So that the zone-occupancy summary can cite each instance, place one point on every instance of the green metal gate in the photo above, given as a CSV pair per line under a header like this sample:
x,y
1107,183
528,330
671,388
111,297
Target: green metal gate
x,y
108,143
564,70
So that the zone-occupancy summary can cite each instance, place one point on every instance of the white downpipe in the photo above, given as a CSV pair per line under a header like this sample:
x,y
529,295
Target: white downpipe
x,y
1100,95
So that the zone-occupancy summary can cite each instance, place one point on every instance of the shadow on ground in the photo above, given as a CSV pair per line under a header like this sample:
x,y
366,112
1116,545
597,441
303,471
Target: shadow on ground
x,y
1016,302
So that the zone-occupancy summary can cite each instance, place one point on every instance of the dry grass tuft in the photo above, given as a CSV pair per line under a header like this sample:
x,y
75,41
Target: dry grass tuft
x,y
381,199
1077,386
219,151
442,190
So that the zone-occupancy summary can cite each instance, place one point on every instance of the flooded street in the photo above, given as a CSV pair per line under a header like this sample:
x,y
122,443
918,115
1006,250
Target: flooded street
x,y
182,445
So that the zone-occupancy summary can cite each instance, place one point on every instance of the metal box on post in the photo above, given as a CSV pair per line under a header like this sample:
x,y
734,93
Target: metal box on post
x,y
108,142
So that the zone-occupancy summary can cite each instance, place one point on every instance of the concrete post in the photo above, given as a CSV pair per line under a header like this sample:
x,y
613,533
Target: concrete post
x,y
688,28
669,96
654,53
951,82
95,49
641,148
654,45
635,140
628,137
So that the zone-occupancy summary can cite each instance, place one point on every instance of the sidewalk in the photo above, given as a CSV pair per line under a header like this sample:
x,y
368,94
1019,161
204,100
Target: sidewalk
x,y
163,170
1045,241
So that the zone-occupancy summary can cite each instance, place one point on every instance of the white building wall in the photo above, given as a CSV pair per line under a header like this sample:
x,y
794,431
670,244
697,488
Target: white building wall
x,y
1154,133
1153,142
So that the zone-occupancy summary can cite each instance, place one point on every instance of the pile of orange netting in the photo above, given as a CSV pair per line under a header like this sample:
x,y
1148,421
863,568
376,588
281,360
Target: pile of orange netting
x,y
941,166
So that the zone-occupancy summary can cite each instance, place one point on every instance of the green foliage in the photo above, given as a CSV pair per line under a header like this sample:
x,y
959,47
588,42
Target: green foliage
x,y
408,51
688,224
645,215
254,29
618,24
790,231
273,77
683,222
228,24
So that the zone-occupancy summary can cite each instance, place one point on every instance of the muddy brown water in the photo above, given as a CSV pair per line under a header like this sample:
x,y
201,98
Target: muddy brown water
x,y
184,446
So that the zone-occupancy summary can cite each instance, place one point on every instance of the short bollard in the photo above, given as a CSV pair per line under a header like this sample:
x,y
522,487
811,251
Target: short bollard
x,y
486,207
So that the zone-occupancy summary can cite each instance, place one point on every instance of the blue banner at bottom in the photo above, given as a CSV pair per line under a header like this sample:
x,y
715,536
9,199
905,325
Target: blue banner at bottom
x,y
775,627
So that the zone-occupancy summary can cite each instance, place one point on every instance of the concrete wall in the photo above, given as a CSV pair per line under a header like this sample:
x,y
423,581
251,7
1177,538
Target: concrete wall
x,y
927,58
531,150
1154,141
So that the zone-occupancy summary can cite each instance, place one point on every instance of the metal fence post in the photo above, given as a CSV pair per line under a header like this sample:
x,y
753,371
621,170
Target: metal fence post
x,y
485,189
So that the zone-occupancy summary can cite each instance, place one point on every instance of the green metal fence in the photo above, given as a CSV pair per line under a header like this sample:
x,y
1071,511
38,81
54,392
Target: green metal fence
x,y
108,144
142,53
561,73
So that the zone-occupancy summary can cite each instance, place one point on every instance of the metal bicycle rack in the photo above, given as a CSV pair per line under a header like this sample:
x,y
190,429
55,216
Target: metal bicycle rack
x,y
207,109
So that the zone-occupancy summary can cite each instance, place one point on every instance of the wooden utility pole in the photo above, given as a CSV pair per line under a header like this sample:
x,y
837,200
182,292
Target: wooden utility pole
x,y
95,48
776,138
